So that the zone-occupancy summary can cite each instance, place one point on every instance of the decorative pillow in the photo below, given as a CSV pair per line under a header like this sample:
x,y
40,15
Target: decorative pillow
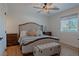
x,y
23,33
39,33
31,33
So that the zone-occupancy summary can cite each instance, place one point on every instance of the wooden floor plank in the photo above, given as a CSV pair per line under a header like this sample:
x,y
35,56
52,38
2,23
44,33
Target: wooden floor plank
x,y
14,51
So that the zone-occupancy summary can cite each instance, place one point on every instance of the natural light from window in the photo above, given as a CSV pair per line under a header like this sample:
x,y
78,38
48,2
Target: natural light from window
x,y
69,24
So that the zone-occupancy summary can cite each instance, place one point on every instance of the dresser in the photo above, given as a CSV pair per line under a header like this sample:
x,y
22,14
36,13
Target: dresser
x,y
12,39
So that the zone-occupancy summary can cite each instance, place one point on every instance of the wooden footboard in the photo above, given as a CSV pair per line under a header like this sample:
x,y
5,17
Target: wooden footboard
x,y
25,47
54,39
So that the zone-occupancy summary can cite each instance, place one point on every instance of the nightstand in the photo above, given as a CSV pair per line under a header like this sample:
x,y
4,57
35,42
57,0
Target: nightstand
x,y
47,33
12,39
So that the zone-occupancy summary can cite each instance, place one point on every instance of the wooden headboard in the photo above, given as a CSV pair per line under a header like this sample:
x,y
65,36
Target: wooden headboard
x,y
30,26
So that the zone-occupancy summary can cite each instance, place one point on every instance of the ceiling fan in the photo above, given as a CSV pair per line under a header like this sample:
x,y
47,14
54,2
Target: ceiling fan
x,y
46,7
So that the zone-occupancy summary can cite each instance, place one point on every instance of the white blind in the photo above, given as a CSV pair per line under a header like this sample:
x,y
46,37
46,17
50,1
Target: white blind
x,y
69,23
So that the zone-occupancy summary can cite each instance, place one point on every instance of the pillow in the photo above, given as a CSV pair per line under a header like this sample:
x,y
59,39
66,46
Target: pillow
x,y
23,33
31,33
39,33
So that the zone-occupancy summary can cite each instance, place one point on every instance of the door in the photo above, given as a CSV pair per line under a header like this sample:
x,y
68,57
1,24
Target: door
x,y
2,32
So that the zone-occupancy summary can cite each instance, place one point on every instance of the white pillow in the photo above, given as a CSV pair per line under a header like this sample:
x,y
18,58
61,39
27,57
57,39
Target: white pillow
x,y
39,33
23,33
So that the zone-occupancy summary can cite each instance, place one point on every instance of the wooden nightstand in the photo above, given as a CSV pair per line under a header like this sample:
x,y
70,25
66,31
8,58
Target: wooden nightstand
x,y
12,39
47,33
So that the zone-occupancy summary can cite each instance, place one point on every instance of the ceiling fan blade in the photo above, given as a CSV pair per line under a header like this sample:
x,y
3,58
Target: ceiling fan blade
x,y
37,7
53,8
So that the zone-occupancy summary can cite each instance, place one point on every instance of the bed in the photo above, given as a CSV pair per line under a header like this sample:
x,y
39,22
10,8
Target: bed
x,y
27,42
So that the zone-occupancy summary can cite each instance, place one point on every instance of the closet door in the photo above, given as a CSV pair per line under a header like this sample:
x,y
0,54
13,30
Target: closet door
x,y
2,32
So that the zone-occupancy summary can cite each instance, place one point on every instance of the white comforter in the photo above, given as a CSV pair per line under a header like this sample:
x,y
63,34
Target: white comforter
x,y
26,39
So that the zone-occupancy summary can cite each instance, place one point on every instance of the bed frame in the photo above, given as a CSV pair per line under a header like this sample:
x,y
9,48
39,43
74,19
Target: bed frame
x,y
35,26
30,25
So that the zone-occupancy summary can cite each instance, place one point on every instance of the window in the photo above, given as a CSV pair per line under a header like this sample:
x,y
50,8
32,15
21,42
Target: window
x,y
69,24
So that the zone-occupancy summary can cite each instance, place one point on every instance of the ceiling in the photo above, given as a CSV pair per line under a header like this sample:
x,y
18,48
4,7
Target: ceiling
x,y
27,8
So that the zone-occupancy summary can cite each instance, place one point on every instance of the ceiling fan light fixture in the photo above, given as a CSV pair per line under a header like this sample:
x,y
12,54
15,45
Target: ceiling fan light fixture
x,y
46,7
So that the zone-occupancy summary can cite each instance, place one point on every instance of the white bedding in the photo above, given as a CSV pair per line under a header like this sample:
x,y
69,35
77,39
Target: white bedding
x,y
26,39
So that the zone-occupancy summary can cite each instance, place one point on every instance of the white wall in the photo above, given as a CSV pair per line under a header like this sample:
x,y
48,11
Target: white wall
x,y
13,22
22,13
54,26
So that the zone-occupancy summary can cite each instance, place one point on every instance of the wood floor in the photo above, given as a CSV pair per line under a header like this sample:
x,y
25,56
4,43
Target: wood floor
x,y
65,51
13,51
